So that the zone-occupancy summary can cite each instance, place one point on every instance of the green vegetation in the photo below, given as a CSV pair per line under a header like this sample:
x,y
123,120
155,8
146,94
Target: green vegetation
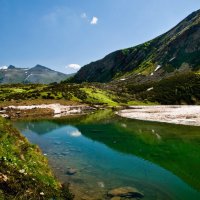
x,y
64,92
182,88
98,96
24,171
146,68
142,103
38,91
179,89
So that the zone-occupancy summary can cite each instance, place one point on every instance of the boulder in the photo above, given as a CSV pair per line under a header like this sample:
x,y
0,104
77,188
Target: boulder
x,y
71,171
127,192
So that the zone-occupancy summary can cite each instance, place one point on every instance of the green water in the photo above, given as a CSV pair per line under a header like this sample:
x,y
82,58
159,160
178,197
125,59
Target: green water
x,y
161,160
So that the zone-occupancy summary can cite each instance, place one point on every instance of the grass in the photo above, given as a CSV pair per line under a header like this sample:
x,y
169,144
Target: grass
x,y
182,88
18,90
64,93
99,96
24,171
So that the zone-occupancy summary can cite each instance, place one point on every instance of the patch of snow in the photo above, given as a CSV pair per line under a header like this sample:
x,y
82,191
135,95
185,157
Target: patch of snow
x,y
151,74
4,67
172,59
149,89
123,79
28,76
158,67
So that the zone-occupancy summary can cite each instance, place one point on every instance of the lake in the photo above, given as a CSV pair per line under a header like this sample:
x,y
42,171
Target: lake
x,y
106,152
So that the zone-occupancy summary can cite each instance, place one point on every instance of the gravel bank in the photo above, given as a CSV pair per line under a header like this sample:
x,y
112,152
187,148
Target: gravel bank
x,y
57,110
185,115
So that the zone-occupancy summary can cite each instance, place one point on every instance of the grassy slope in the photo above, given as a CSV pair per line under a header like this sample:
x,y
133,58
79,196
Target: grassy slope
x,y
24,171
182,88
98,96
60,93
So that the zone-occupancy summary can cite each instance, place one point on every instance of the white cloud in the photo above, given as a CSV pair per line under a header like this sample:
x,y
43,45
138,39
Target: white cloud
x,y
84,15
74,66
94,21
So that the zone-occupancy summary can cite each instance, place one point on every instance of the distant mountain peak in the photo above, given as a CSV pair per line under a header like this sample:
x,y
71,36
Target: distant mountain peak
x,y
37,74
38,66
11,67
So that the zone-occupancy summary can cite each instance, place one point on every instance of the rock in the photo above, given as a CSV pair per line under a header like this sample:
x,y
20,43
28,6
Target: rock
x,y
42,193
2,111
3,177
127,192
57,143
101,184
5,116
22,171
22,157
71,171
64,153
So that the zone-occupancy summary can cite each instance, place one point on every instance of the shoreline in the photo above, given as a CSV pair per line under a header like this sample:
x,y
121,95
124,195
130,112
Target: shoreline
x,y
172,114
55,110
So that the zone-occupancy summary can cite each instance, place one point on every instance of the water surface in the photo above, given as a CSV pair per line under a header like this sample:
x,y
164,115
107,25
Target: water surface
x,y
161,160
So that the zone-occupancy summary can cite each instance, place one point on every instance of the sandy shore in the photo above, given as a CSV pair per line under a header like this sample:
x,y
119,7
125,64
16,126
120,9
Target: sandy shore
x,y
185,115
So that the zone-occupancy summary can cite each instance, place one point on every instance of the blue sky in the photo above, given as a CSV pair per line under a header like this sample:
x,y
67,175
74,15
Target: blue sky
x,y
63,34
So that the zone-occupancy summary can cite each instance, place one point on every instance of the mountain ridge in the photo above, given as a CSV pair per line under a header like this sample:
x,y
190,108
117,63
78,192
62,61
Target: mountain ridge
x,y
36,74
176,50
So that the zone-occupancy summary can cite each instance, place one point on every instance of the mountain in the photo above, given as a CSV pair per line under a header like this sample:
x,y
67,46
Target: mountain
x,y
178,50
37,74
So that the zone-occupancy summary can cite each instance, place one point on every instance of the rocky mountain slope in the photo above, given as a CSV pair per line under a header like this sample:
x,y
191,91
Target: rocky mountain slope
x,y
178,50
37,74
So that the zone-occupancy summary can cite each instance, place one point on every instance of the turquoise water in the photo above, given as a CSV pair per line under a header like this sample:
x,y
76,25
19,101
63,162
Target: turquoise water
x,y
160,160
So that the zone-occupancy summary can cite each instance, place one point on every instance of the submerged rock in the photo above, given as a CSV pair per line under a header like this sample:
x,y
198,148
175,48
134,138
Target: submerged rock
x,y
71,171
101,184
127,192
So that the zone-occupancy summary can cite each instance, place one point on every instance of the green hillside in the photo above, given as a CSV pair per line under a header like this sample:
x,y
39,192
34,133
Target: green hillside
x,y
175,51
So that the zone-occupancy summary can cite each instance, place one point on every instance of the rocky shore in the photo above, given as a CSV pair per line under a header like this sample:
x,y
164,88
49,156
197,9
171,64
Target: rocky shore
x,y
55,110
177,114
